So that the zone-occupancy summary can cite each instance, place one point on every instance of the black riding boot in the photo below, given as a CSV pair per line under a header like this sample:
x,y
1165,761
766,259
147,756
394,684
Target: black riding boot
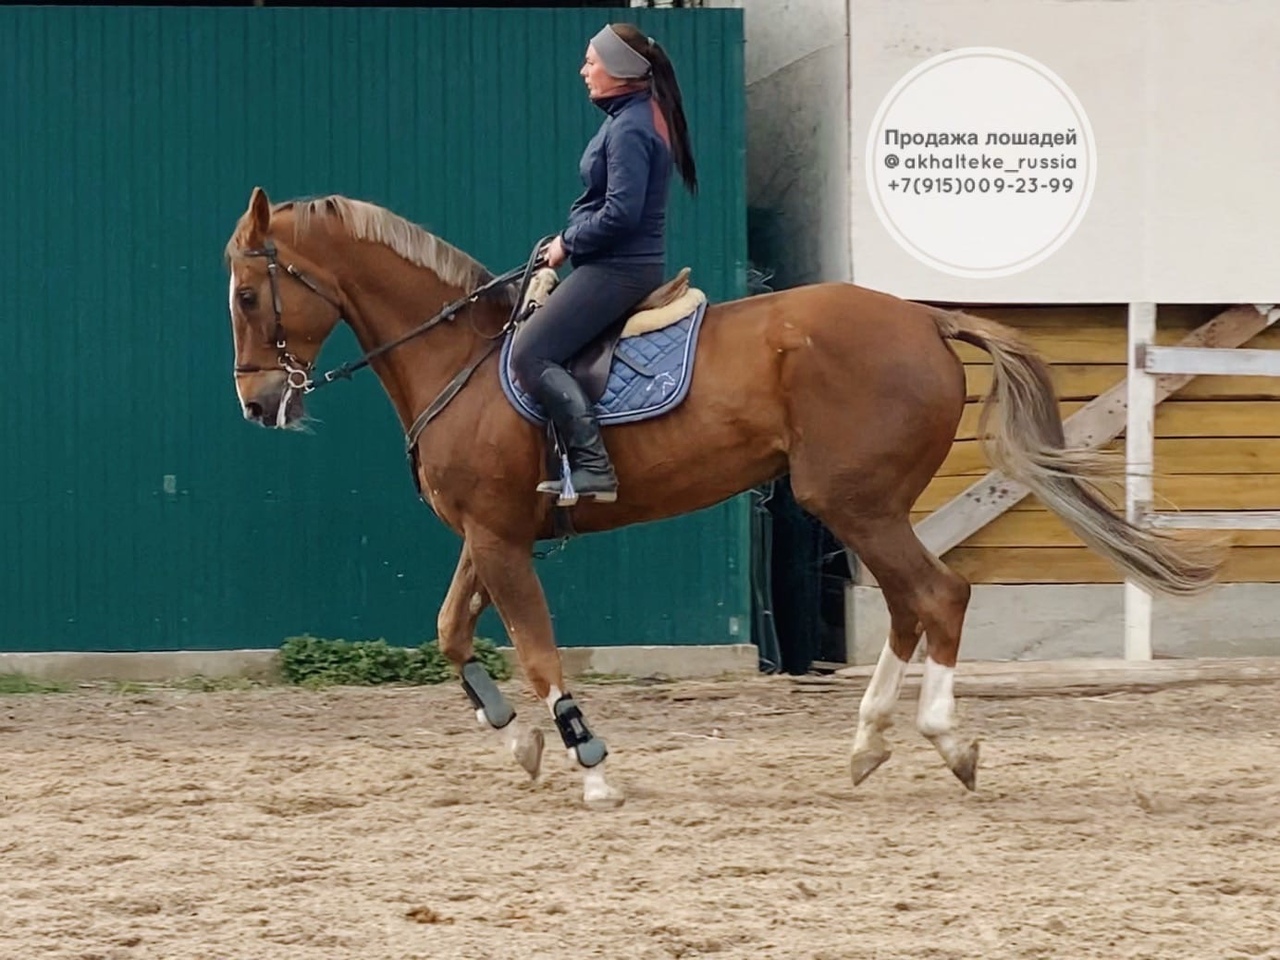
x,y
566,404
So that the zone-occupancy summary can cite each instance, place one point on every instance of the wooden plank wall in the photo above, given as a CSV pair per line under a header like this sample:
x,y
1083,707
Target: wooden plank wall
x,y
1217,447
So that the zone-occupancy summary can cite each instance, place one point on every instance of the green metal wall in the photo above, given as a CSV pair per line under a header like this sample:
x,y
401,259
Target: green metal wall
x,y
140,512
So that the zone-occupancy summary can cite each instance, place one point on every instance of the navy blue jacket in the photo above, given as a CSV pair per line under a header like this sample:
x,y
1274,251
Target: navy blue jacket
x,y
626,168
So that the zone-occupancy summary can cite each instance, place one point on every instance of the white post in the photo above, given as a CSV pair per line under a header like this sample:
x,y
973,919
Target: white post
x,y
1140,457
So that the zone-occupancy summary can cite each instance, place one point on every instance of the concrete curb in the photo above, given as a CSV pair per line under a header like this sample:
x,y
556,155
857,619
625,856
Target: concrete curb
x,y
674,662
1074,677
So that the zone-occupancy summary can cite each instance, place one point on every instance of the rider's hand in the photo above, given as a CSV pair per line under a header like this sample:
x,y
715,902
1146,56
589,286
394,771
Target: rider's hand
x,y
553,253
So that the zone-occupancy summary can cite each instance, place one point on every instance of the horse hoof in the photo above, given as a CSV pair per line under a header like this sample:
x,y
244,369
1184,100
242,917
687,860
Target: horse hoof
x,y
966,767
598,793
862,765
608,799
528,750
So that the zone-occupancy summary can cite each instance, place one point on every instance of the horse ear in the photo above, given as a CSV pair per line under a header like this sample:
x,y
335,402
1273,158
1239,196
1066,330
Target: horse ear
x,y
259,213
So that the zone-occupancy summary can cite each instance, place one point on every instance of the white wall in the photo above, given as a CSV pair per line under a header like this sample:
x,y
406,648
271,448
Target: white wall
x,y
1183,97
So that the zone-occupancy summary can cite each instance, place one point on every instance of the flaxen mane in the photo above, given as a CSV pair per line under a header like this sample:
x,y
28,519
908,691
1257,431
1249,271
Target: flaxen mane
x,y
368,221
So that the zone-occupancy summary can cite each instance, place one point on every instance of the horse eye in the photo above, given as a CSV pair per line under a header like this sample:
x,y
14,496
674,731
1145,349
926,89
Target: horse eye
x,y
248,297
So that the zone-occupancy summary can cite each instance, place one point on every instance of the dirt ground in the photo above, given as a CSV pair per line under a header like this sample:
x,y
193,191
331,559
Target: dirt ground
x,y
384,823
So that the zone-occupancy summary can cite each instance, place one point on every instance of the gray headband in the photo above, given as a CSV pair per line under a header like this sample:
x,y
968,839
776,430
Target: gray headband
x,y
618,57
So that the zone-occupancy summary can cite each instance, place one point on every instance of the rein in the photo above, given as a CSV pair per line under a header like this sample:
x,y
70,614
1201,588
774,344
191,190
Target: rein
x,y
298,372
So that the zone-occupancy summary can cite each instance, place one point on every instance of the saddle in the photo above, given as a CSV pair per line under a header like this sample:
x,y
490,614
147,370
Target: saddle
x,y
668,304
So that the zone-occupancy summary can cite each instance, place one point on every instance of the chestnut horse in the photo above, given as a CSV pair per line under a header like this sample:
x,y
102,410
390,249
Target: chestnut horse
x,y
854,393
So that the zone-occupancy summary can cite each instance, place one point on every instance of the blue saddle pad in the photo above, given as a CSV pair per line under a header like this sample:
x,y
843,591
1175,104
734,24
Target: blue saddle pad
x,y
650,374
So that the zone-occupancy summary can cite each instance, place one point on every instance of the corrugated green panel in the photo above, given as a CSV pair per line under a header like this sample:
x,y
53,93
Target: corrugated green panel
x,y
141,512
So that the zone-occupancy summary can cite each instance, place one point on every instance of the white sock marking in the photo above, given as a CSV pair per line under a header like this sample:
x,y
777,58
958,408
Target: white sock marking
x,y
594,786
935,717
877,703
509,735
936,713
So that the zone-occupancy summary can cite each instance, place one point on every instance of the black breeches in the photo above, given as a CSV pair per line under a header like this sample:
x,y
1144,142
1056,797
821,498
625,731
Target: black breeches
x,y
590,299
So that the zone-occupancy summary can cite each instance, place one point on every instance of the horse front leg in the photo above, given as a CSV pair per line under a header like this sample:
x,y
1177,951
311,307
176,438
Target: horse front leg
x,y
456,624
506,570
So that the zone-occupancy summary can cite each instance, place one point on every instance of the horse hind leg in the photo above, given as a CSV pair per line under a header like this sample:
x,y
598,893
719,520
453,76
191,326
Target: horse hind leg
x,y
875,713
941,604
466,600
921,593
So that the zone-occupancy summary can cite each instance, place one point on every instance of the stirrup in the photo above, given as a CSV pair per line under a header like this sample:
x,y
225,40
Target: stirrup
x,y
556,487
599,496
562,488
567,496
563,499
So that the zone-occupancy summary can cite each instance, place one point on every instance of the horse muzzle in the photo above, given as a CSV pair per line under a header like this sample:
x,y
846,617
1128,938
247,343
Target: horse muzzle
x,y
277,407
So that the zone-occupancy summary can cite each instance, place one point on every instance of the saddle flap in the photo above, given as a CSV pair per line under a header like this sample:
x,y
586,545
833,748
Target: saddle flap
x,y
590,366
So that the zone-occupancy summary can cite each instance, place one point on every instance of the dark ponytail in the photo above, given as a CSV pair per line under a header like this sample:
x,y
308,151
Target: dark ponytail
x,y
666,92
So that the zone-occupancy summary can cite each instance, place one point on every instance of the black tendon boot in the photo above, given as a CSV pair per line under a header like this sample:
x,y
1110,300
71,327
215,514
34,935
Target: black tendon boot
x,y
590,471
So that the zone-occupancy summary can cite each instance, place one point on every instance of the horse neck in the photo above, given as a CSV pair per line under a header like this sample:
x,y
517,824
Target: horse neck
x,y
390,297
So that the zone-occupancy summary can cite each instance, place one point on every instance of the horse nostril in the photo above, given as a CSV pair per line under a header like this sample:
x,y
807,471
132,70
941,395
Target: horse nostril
x,y
253,410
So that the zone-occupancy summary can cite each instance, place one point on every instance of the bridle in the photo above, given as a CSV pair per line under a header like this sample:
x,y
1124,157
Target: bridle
x,y
298,372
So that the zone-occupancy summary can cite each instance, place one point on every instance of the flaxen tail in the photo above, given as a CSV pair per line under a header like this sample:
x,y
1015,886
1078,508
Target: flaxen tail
x,y
1026,442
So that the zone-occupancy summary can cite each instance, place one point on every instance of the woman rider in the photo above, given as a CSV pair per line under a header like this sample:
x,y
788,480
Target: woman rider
x,y
615,239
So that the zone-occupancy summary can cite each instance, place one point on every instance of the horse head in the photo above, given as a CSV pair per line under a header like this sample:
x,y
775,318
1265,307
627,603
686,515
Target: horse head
x,y
283,307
